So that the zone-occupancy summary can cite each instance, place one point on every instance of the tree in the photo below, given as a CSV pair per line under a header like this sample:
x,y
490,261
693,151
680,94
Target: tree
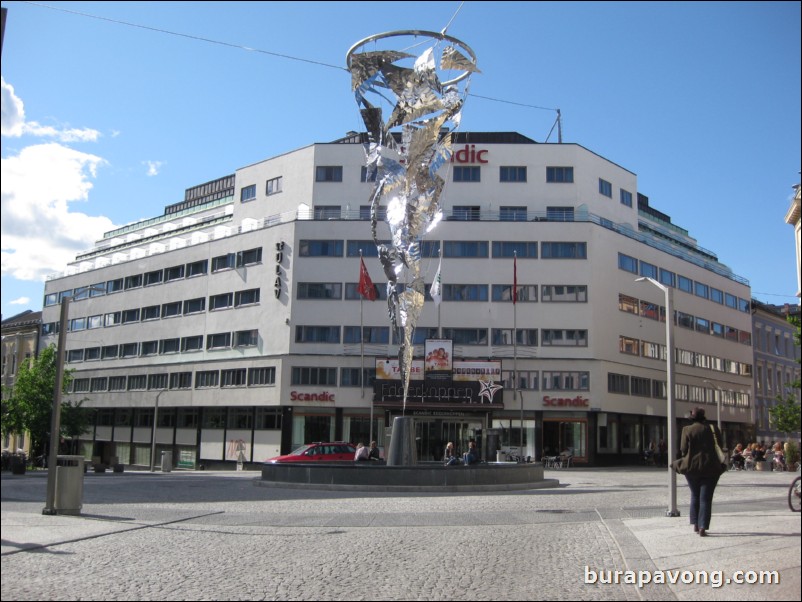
x,y
75,421
30,405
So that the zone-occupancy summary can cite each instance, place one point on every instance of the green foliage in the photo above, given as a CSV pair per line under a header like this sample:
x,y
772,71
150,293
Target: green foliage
x,y
785,416
75,420
29,407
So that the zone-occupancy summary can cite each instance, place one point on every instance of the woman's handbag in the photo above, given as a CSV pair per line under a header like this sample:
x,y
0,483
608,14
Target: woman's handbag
x,y
682,465
721,455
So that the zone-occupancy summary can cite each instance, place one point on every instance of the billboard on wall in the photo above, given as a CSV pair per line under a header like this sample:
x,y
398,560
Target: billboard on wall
x,y
464,383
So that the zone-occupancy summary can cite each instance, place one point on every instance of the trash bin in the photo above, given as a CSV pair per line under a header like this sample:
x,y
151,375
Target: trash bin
x,y
69,484
167,461
493,436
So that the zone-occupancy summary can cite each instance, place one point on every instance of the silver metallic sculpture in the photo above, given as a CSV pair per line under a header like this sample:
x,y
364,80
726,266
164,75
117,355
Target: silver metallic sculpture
x,y
405,152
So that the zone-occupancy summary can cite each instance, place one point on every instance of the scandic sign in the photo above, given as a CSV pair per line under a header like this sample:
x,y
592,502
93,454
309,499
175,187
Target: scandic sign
x,y
566,401
469,154
322,396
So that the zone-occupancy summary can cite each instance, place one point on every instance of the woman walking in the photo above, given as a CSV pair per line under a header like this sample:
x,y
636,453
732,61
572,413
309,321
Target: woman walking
x,y
701,466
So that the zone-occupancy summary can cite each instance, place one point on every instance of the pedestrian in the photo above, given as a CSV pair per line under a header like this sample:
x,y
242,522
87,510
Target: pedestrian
x,y
361,453
450,456
701,466
472,455
373,453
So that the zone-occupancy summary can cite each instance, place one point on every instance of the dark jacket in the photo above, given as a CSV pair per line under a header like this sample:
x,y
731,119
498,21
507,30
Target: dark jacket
x,y
698,444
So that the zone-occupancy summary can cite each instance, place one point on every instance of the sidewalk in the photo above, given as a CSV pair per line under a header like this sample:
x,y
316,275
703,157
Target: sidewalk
x,y
260,541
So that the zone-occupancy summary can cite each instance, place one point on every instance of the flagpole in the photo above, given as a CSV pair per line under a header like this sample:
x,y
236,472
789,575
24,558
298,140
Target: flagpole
x,y
362,349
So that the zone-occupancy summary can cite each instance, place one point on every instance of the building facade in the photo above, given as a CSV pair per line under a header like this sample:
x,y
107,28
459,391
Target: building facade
x,y
776,364
237,312
20,340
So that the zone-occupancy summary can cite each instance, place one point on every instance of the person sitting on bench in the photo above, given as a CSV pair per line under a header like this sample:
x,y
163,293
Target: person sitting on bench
x,y
472,455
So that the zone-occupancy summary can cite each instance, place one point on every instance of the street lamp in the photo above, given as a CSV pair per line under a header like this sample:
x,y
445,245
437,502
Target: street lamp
x,y
671,419
718,403
153,443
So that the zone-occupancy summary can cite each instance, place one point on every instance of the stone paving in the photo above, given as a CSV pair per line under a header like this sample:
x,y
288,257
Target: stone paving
x,y
218,536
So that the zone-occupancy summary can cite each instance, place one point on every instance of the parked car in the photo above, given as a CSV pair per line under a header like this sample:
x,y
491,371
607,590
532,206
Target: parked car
x,y
337,451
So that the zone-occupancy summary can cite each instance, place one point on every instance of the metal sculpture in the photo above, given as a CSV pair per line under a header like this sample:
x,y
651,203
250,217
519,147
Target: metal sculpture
x,y
404,153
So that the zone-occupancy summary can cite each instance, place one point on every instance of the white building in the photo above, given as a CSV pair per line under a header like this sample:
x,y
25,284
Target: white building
x,y
237,311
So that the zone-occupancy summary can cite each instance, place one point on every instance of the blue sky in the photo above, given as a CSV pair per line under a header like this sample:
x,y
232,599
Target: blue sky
x,y
104,124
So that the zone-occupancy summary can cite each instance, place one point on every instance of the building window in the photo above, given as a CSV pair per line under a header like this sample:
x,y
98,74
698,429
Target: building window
x,y
618,383
80,385
329,173
628,345
684,284
180,380
626,197
174,273
327,212
320,290
114,286
379,335
627,263
77,324
560,175
110,352
685,320
149,348
527,293
510,249
223,262
527,337
605,188
465,292
220,340
350,377
194,306
716,296
92,353
560,214
169,345
249,297
206,379
130,315
512,174
221,301
466,213
564,293
466,336
75,355
564,338
701,290
129,350
137,382
317,334
365,176
528,380
171,309
667,278
464,173
233,378
314,376
248,193
194,343
153,278
246,338
249,257
458,248
320,248
157,381
512,214
274,186
117,383
642,387
113,319
151,312
197,268
566,381
260,377
51,299
648,270
563,250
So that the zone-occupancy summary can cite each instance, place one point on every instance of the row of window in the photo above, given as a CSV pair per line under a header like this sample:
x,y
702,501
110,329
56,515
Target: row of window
x,y
179,272
203,379
461,336
258,417
172,309
550,293
625,384
217,341
654,311
669,278
452,248
656,351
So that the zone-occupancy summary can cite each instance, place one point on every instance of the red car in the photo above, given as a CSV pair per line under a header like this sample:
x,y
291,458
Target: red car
x,y
338,451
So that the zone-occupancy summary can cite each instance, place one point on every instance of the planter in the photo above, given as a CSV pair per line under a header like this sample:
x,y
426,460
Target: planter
x,y
17,465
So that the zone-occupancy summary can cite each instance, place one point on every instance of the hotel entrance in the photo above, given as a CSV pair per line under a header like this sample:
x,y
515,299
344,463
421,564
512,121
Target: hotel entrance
x,y
433,433
560,434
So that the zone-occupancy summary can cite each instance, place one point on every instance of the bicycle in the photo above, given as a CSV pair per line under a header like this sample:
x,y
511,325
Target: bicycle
x,y
795,495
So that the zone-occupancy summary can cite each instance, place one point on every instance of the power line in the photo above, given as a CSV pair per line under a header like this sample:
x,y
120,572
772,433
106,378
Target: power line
x,y
189,36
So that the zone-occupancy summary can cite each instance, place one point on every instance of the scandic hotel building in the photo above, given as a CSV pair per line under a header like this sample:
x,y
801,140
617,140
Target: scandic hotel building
x,y
235,317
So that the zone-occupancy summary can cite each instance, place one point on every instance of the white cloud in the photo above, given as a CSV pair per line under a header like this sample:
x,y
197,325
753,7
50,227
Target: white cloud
x,y
153,167
20,301
40,234
14,124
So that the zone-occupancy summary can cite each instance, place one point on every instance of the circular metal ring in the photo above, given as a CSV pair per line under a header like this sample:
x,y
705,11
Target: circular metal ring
x,y
415,32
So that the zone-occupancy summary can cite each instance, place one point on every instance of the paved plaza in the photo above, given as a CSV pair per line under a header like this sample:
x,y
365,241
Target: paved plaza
x,y
221,536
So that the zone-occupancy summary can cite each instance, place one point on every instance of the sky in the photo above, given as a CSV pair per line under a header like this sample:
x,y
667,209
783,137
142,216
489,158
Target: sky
x,y
110,110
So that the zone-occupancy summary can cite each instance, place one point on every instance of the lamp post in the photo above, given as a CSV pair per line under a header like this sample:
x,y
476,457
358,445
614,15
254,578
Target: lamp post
x,y
153,442
670,413
55,418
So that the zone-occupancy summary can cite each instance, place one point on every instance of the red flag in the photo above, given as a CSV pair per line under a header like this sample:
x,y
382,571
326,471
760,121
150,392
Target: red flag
x,y
366,288
514,279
